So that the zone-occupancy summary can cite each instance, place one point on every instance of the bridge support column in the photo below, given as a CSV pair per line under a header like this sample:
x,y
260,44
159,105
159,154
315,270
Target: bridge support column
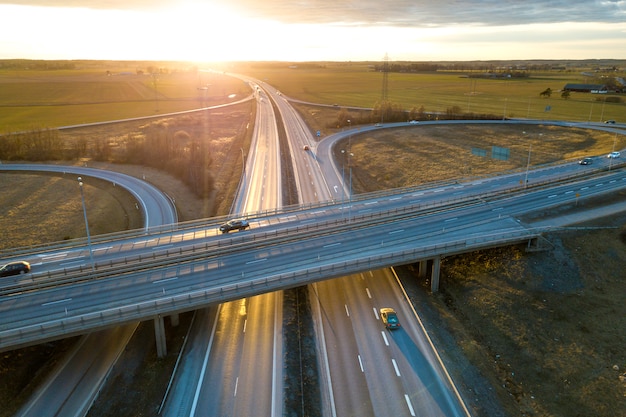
x,y
434,277
174,319
159,336
422,268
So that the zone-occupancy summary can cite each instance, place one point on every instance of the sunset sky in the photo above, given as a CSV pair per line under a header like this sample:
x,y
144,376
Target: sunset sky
x,y
312,30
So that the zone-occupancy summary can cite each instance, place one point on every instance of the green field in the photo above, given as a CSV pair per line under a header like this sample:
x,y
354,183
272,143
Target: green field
x,y
35,99
102,91
359,85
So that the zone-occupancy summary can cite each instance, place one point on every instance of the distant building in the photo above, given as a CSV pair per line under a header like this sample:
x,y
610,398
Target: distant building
x,y
586,88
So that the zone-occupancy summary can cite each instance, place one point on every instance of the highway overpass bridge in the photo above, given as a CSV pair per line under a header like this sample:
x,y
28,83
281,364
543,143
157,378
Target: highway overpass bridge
x,y
150,275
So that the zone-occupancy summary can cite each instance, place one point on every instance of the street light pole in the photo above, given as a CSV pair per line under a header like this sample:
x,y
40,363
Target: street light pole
x,y
82,196
350,155
343,179
530,147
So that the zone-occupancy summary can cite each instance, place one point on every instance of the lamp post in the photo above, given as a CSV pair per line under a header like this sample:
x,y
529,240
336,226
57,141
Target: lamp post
x,y
611,159
350,155
82,196
343,178
530,147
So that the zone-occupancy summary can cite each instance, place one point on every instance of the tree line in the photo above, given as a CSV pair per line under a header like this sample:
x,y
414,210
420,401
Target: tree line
x,y
390,112
178,153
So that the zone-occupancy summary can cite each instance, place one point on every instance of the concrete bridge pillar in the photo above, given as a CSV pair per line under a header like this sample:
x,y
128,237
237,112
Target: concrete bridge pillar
x,y
159,335
422,268
434,277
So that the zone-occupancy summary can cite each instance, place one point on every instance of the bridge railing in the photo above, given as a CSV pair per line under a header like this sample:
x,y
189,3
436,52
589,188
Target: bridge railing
x,y
220,290
214,222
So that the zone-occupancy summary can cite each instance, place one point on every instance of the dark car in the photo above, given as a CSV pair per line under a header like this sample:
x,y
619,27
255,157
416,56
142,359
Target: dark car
x,y
585,161
15,268
235,224
389,318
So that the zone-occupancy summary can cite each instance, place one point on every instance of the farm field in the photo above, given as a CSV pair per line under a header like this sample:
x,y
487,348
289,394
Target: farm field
x,y
36,100
359,85
535,333
102,91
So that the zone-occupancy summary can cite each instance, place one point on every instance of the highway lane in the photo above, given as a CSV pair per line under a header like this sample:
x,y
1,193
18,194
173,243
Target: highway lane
x,y
73,385
238,369
256,386
369,388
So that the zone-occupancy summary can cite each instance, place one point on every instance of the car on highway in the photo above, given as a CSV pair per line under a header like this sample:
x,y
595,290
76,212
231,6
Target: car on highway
x,y
611,122
306,147
389,318
14,268
413,122
235,224
585,161
613,155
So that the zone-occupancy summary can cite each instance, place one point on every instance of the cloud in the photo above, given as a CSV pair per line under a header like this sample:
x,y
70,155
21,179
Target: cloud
x,y
440,13
407,13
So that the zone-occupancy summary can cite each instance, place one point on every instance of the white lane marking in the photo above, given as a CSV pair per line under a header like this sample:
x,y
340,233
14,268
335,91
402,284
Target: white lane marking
x,y
395,198
585,188
347,311
396,231
141,242
236,385
360,363
451,220
552,196
408,403
385,338
498,208
104,248
369,295
256,261
56,255
65,300
395,366
332,244
569,192
164,280
370,203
